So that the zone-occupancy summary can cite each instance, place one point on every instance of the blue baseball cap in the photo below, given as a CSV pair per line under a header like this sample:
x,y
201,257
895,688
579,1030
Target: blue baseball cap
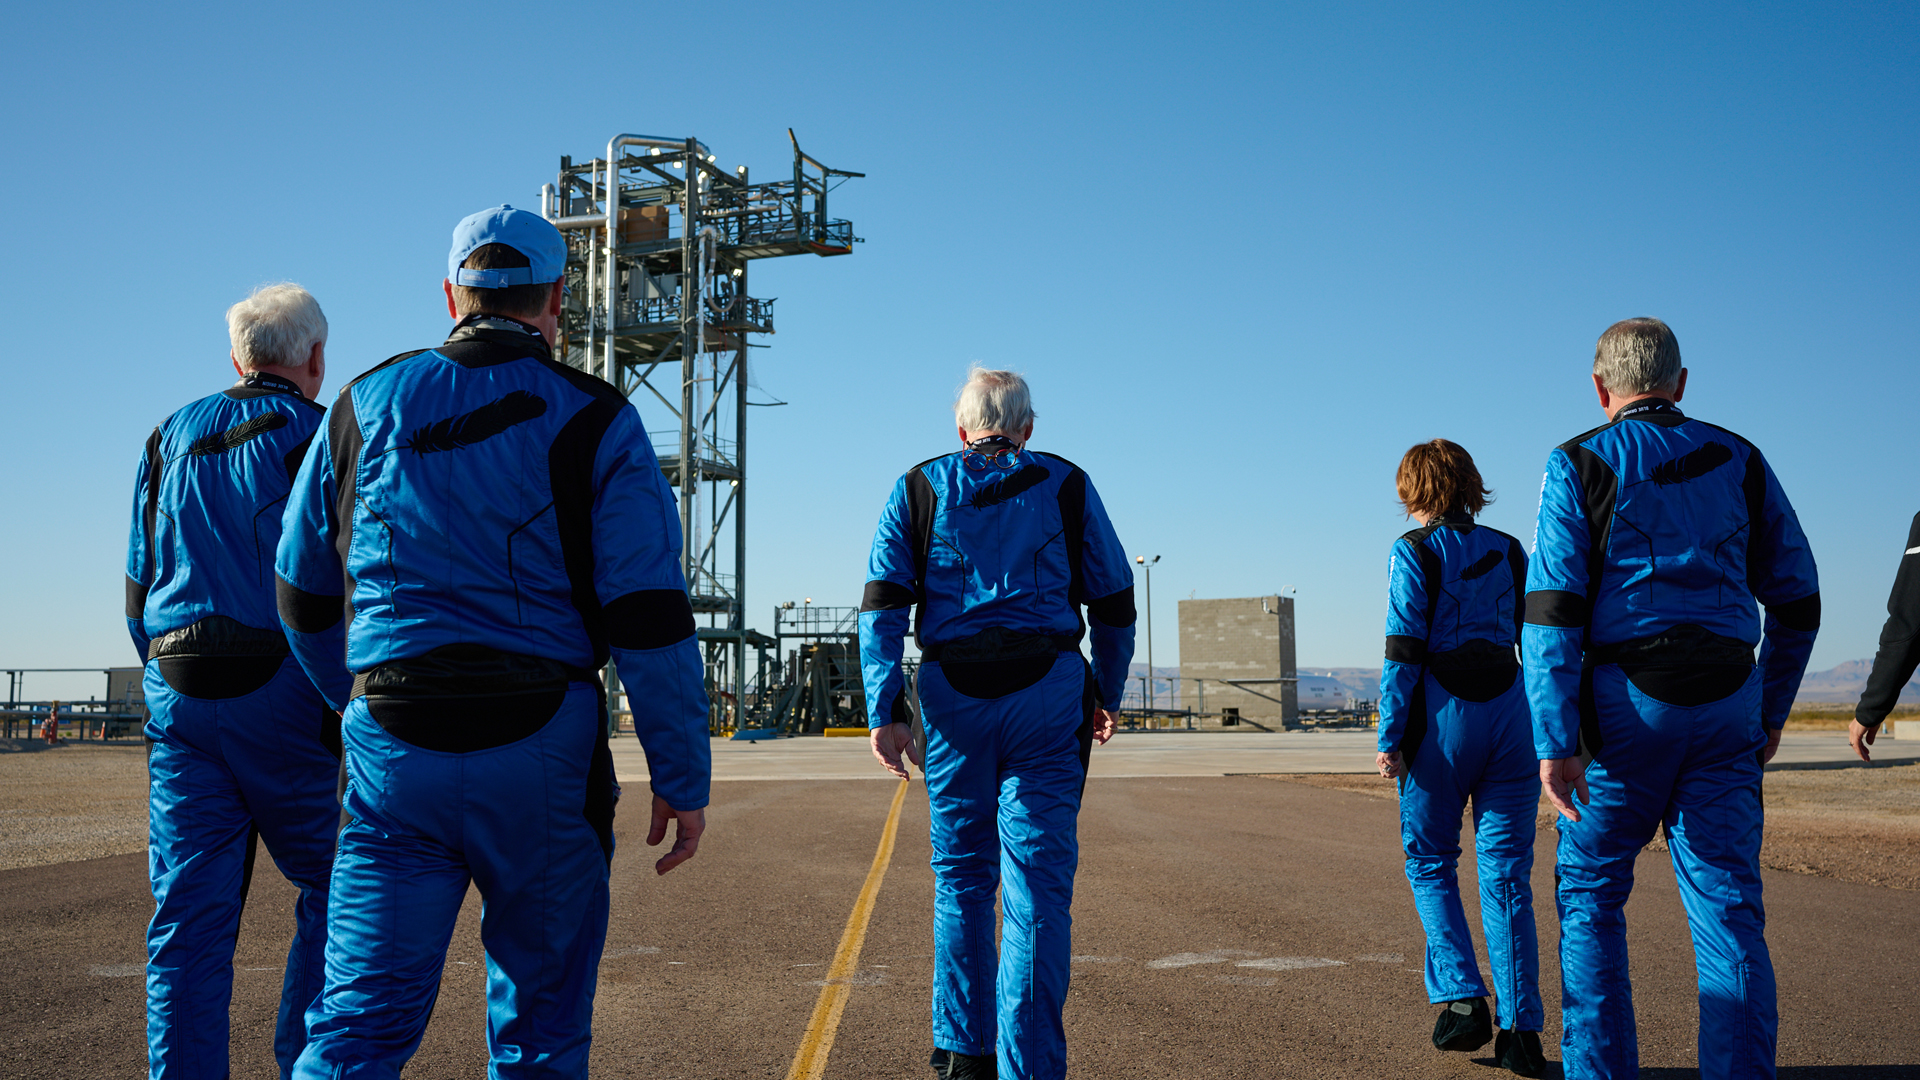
x,y
525,232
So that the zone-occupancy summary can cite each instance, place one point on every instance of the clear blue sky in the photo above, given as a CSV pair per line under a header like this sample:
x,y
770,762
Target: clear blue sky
x,y
1246,254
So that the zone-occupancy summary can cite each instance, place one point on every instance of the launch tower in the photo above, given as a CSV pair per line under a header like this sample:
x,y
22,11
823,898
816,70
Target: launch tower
x,y
659,241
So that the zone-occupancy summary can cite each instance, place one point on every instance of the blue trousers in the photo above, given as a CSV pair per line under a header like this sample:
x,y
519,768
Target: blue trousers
x,y
1696,772
1004,778
223,769
1480,752
423,824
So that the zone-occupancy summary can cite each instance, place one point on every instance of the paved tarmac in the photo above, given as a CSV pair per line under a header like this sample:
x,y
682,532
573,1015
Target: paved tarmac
x,y
1170,753
1227,927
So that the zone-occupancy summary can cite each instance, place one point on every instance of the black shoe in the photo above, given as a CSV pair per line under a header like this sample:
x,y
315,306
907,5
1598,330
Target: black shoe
x,y
1463,1025
952,1065
1519,1052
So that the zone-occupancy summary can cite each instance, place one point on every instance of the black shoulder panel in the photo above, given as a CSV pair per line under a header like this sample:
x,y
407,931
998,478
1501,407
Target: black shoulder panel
x,y
1058,458
1759,544
1753,485
155,465
1073,519
1517,569
1432,573
381,366
1571,444
344,442
649,619
584,381
570,477
1599,486
296,456
920,510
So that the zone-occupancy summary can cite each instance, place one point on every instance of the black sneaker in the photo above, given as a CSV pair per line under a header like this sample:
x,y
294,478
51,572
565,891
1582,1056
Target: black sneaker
x,y
952,1065
1463,1025
1519,1053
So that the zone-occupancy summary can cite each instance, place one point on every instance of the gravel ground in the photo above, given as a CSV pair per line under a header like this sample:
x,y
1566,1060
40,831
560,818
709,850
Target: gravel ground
x,y
1858,824
74,801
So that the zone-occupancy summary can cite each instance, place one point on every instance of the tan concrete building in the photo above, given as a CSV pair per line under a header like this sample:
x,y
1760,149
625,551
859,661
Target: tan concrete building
x,y
1250,640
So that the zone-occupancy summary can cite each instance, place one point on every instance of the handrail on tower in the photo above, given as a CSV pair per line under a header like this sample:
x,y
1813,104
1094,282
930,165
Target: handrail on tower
x,y
658,247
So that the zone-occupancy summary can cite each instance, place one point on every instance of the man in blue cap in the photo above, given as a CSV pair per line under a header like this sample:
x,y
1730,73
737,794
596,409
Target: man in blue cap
x,y
1657,533
481,527
999,547
242,746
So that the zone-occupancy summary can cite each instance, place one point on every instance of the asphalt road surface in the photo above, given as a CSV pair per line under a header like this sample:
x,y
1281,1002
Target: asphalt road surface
x,y
1226,927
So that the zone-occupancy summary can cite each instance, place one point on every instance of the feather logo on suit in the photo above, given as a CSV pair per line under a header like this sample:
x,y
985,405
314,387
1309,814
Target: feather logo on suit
x,y
1691,466
1481,565
481,424
1007,487
234,436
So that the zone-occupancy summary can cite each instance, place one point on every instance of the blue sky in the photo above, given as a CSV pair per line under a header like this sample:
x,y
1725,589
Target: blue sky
x,y
1247,254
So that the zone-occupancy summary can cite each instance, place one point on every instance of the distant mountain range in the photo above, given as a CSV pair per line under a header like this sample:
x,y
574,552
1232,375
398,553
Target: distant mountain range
x,y
1836,685
1844,684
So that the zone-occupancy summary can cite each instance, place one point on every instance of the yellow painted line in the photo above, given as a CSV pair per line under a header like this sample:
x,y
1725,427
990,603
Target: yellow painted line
x,y
846,733
811,1060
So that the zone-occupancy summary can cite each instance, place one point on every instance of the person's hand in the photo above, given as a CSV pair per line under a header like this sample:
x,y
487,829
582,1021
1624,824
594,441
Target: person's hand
x,y
1861,736
1773,744
1104,721
1564,778
686,834
891,743
1390,764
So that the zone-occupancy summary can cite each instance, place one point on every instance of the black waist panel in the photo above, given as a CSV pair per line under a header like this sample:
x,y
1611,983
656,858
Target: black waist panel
x,y
461,698
999,643
217,635
1476,671
215,678
1686,643
469,671
1475,655
1685,665
997,661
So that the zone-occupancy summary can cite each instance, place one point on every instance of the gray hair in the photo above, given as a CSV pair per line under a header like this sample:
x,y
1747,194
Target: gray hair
x,y
276,326
1638,356
993,401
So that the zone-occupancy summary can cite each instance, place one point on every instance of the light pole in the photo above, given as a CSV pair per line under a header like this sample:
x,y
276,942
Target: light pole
x,y
1146,566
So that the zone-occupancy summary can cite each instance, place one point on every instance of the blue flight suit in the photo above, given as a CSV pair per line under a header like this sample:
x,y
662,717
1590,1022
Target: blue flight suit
x,y
479,529
241,743
999,562
1453,704
1656,535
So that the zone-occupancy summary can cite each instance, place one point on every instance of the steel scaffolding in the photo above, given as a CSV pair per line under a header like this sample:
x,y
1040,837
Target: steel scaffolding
x,y
659,239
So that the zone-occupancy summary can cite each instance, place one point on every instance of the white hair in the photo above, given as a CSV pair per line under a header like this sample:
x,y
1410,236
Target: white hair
x,y
993,401
1638,356
276,326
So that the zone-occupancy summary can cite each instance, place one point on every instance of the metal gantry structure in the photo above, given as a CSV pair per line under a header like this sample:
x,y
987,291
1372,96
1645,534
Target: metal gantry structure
x,y
659,241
